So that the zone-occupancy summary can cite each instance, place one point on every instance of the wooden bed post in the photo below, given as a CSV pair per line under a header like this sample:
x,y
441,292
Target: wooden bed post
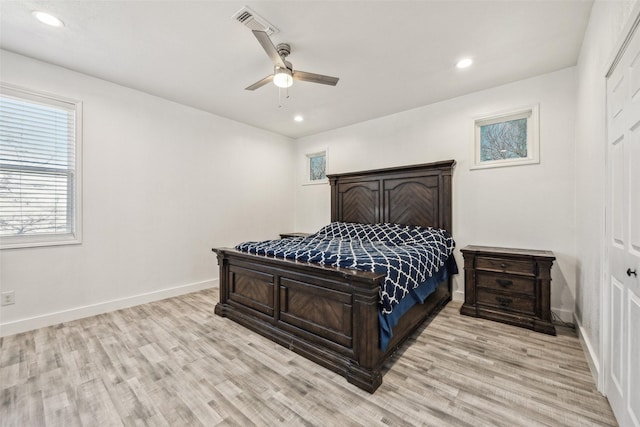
x,y
366,372
223,283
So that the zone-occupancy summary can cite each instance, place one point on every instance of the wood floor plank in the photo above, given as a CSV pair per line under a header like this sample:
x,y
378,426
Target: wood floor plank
x,y
173,362
95,405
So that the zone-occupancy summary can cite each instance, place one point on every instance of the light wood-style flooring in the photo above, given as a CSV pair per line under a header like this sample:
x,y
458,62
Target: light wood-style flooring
x,y
174,362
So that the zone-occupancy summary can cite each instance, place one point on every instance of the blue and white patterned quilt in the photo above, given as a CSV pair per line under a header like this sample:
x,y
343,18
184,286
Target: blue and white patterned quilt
x,y
407,255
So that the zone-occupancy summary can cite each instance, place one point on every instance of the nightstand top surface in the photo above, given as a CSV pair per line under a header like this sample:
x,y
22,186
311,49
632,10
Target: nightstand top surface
x,y
491,250
294,234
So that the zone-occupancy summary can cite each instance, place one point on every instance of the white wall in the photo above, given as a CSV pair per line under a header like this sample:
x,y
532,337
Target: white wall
x,y
528,206
163,184
602,37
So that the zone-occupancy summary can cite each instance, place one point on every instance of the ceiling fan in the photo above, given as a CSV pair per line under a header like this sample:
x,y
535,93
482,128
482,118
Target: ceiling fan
x,y
283,72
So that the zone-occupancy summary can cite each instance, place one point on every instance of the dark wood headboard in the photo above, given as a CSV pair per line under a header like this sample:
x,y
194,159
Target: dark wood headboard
x,y
411,195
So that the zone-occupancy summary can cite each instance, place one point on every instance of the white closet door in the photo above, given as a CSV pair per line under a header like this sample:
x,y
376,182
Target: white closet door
x,y
622,372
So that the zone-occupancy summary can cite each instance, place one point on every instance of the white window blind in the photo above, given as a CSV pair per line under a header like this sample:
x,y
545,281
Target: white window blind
x,y
39,182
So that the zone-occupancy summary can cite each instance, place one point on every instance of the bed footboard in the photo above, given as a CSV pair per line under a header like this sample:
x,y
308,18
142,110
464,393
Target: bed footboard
x,y
327,314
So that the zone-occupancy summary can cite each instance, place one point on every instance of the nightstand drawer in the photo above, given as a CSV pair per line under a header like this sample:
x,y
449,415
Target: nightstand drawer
x,y
520,303
505,282
505,265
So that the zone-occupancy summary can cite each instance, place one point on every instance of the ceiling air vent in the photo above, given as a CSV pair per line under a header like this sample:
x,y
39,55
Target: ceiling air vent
x,y
250,19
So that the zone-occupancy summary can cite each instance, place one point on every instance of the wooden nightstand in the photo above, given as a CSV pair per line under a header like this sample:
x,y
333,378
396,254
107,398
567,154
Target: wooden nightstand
x,y
509,285
285,235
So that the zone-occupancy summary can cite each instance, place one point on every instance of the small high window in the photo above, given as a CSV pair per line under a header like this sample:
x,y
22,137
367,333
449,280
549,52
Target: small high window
x,y
316,168
507,139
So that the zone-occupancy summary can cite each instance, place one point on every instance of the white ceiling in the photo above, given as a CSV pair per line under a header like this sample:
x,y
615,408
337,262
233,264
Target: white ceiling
x,y
390,56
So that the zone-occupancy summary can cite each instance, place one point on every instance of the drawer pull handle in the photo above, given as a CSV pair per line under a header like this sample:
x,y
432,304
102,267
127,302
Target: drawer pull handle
x,y
503,265
504,283
504,302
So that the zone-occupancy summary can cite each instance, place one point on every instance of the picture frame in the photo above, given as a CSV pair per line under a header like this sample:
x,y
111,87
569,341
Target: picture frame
x,y
507,138
316,168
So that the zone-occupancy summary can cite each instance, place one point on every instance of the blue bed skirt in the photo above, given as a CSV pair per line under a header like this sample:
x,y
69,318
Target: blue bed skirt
x,y
415,296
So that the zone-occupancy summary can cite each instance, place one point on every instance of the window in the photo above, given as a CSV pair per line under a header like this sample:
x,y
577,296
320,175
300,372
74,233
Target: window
x,y
507,139
317,168
40,146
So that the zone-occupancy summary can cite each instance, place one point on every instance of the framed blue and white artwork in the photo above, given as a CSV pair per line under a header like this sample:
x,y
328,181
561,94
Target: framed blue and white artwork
x,y
507,139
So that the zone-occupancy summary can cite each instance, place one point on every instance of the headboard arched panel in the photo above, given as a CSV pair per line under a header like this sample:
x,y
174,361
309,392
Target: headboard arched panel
x,y
412,203
412,195
359,202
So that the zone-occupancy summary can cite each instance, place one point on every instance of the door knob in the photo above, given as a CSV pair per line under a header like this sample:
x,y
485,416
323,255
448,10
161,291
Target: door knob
x,y
630,272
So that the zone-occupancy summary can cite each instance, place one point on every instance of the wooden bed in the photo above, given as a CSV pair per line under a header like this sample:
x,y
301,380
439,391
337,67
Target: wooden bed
x,y
329,314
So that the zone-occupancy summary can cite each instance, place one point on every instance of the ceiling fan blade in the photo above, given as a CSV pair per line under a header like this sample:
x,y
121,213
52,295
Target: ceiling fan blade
x,y
315,78
268,47
260,83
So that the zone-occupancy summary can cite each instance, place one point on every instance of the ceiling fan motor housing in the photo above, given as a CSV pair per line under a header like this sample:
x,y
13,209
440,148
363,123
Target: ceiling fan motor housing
x,y
284,49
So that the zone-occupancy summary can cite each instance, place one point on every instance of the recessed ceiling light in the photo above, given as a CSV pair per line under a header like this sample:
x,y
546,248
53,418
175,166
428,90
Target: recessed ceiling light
x,y
464,63
298,118
47,18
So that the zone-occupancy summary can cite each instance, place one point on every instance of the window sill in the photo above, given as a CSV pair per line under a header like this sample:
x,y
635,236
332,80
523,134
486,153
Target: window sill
x,y
318,182
12,242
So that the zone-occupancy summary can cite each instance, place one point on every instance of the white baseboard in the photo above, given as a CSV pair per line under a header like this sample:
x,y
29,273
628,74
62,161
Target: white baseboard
x,y
28,324
564,314
458,296
590,355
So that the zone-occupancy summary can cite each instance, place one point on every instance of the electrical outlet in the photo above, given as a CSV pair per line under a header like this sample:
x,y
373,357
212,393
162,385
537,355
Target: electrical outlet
x,y
8,298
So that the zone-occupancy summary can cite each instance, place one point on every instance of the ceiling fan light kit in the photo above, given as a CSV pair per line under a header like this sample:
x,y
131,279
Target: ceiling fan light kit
x,y
282,77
